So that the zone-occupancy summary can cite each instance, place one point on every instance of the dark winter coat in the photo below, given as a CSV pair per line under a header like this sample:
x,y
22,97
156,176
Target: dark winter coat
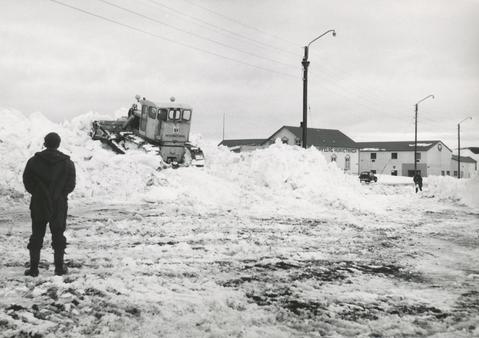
x,y
49,176
418,180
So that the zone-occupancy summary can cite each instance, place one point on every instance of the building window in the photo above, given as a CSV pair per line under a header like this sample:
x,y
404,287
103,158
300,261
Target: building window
x,y
347,162
418,157
297,141
394,156
373,156
448,173
284,139
455,173
394,172
333,158
442,172
373,171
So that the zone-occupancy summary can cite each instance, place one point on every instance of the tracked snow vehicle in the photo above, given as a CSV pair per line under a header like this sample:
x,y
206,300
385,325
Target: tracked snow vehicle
x,y
160,128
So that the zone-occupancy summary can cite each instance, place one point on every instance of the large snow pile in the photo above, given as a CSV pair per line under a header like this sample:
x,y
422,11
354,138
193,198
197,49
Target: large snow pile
x,y
278,180
450,188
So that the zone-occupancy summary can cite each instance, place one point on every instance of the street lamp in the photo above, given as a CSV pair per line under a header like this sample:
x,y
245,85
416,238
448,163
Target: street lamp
x,y
415,133
459,146
305,64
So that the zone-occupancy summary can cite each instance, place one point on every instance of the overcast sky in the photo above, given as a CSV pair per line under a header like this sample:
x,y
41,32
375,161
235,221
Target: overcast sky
x,y
243,59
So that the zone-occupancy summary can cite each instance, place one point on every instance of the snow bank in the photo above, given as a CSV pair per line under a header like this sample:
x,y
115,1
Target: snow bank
x,y
449,188
279,180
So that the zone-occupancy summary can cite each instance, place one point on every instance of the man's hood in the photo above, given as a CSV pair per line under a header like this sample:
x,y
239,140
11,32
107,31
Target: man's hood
x,y
52,156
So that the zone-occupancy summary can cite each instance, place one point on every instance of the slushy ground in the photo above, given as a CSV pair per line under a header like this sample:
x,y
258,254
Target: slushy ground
x,y
157,269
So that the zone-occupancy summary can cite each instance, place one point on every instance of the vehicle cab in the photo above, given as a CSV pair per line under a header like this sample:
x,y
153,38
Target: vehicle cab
x,y
166,124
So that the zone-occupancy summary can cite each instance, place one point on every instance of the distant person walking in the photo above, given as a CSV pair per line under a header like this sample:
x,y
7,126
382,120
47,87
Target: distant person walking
x,y
418,181
49,177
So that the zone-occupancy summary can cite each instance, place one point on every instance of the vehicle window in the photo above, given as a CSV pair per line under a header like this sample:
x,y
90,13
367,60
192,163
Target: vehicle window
x,y
144,112
174,114
152,112
186,115
162,114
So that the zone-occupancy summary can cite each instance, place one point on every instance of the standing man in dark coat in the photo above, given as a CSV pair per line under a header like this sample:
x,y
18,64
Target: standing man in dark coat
x,y
49,177
418,181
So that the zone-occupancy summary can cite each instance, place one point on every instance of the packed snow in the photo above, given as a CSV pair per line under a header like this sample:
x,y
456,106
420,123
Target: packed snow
x,y
276,242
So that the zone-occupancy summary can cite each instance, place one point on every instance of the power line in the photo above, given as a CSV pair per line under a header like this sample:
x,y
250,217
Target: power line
x,y
191,33
364,93
171,40
239,22
376,95
341,91
218,28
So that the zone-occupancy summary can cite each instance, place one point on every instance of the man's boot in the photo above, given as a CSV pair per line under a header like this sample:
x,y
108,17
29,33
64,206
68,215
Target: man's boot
x,y
34,260
60,267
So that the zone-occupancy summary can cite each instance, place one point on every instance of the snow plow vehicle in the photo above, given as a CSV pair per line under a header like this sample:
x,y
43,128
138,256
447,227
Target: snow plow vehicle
x,y
160,128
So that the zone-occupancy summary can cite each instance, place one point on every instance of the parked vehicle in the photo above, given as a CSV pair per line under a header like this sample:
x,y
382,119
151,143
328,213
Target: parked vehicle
x,y
368,177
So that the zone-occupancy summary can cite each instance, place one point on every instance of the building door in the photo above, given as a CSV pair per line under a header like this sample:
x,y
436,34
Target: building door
x,y
347,163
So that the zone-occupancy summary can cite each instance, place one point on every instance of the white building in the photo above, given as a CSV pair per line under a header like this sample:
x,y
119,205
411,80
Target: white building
x,y
397,158
336,146
468,166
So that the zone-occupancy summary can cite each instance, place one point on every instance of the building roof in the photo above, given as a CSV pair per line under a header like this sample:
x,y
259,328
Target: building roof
x,y
321,137
475,150
398,145
465,159
243,142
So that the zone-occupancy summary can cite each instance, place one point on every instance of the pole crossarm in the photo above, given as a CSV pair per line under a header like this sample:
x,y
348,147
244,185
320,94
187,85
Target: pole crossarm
x,y
329,31
467,118
429,96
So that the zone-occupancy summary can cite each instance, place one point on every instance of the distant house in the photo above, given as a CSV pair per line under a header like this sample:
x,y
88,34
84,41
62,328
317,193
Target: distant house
x,y
468,166
243,144
397,158
336,146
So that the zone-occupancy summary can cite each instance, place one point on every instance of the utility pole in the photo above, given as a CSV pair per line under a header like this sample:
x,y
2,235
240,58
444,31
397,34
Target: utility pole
x,y
304,125
415,132
459,147
415,141
458,150
224,126
305,63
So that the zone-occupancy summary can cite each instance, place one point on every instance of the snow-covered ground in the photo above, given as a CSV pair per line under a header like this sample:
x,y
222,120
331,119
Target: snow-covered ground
x,y
276,243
